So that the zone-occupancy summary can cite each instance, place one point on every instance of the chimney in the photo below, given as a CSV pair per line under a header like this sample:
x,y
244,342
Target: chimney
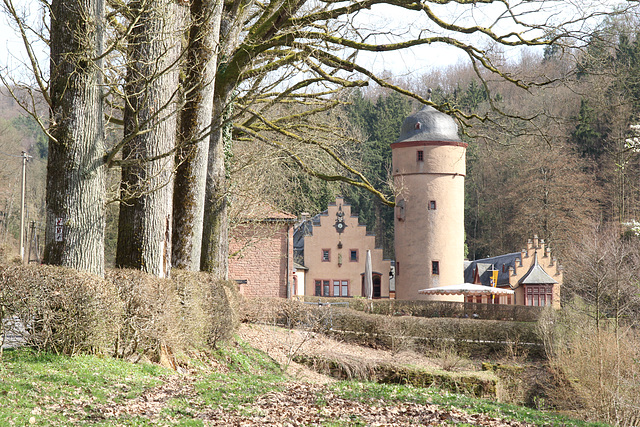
x,y
535,242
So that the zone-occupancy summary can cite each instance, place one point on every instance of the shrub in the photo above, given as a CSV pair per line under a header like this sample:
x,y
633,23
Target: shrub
x,y
391,307
127,314
469,336
150,316
209,308
288,313
58,309
596,369
189,311
479,338
448,357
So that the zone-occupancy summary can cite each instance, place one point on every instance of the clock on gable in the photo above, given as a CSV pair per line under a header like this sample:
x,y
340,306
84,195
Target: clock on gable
x,y
340,225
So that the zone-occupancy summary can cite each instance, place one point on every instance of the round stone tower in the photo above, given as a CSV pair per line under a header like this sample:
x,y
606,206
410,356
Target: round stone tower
x,y
429,170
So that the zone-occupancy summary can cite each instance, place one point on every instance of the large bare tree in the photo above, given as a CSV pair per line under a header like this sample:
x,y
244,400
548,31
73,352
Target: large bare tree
x,y
75,173
151,91
195,128
319,43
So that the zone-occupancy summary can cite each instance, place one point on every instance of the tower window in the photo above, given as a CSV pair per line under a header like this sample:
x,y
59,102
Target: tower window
x,y
400,205
420,156
353,255
435,267
326,255
432,205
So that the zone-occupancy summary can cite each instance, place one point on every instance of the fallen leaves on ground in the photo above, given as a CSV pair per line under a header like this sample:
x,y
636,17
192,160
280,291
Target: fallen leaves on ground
x,y
300,404
314,404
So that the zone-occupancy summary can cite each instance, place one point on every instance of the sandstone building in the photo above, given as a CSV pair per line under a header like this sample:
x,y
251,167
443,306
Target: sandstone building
x,y
332,247
326,253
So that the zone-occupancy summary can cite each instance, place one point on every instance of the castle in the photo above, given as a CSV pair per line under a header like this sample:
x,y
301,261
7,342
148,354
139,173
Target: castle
x,y
325,254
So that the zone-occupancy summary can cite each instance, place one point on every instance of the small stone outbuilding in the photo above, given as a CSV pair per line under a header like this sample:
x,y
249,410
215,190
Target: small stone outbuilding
x,y
261,253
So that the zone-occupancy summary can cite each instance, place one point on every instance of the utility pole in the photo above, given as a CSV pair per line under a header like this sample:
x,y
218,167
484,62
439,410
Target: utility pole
x,y
24,156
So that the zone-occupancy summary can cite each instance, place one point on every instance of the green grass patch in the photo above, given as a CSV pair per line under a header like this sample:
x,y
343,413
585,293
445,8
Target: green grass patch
x,y
252,374
61,390
57,390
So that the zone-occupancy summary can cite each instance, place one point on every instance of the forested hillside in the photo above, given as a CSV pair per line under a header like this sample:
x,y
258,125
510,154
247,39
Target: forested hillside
x,y
566,168
19,132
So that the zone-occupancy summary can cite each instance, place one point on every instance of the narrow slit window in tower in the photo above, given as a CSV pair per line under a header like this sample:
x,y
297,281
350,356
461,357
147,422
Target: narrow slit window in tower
x,y
435,267
432,205
400,206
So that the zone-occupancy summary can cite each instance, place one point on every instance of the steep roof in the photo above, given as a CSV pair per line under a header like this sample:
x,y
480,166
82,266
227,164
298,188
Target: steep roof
x,y
266,212
536,275
503,263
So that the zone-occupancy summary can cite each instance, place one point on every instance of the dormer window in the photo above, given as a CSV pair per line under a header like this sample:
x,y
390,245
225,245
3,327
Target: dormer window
x,y
418,126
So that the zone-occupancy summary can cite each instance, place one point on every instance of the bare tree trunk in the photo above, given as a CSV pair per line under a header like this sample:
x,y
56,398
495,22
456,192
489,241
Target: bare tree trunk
x,y
144,229
75,220
193,138
215,236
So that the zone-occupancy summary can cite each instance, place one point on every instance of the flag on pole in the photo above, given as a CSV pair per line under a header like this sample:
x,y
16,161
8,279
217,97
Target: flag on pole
x,y
494,280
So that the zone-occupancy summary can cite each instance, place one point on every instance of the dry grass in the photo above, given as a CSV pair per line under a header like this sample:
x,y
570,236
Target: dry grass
x,y
278,343
597,374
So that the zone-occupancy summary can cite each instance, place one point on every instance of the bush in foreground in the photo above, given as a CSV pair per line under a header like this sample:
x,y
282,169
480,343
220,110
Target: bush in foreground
x,y
128,314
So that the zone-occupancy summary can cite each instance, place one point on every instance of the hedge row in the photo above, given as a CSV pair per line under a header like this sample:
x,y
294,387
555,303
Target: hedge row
x,y
126,314
470,336
391,307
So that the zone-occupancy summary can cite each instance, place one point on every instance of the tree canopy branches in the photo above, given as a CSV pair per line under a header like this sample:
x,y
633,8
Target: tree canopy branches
x,y
270,70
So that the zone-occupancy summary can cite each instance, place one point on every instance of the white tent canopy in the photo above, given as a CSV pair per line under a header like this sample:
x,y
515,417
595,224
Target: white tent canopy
x,y
465,289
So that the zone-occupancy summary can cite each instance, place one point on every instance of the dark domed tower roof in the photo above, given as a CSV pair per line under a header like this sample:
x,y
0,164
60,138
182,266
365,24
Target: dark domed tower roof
x,y
429,124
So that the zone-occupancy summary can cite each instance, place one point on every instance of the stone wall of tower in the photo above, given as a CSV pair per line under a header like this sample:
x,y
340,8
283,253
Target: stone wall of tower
x,y
429,217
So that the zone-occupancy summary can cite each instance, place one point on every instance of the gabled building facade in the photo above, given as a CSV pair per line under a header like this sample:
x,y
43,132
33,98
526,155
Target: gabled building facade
x,y
325,255
533,273
331,247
